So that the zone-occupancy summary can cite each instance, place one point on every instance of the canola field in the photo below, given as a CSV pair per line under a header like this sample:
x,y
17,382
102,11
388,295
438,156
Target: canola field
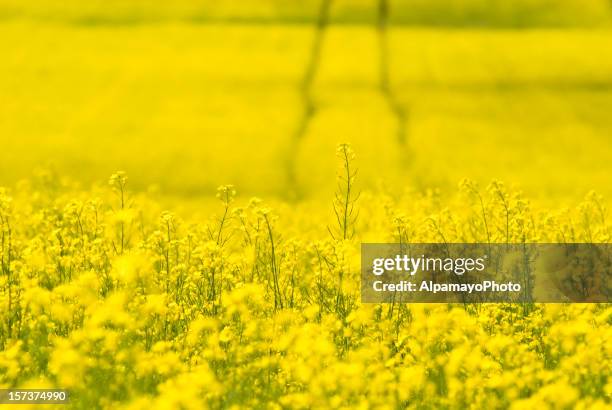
x,y
196,102
186,185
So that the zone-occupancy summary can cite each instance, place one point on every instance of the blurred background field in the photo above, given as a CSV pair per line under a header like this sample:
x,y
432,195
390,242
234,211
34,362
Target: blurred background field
x,y
513,13
188,95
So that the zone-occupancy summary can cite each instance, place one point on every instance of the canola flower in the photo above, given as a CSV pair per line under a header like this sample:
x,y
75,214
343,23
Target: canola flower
x,y
128,306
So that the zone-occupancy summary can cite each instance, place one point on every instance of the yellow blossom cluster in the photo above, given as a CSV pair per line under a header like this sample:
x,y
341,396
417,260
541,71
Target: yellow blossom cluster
x,y
257,306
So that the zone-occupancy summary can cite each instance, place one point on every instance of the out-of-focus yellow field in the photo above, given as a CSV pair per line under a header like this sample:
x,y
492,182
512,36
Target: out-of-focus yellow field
x,y
204,105
165,287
